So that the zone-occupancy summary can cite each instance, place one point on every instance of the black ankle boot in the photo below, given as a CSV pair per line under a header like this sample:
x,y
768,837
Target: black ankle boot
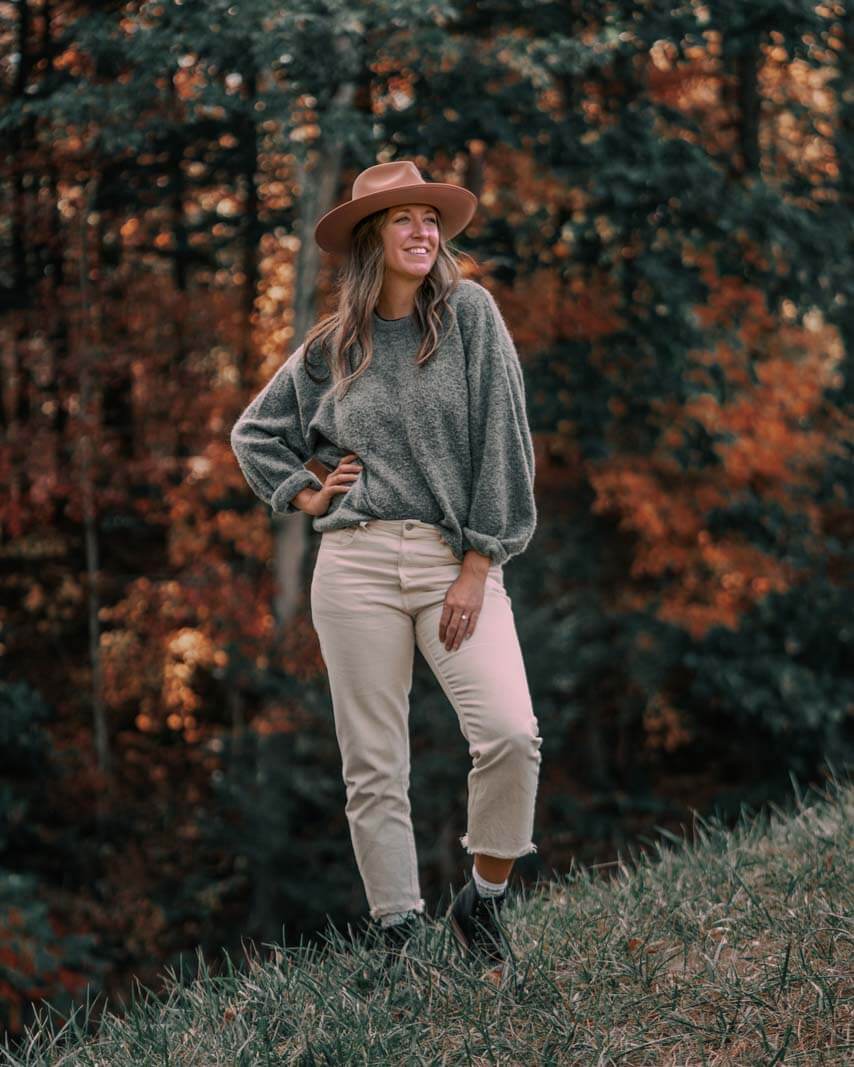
x,y
476,924
396,938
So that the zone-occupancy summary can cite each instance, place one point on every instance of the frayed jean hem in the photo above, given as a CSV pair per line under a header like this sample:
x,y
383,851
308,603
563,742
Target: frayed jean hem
x,y
404,905
464,841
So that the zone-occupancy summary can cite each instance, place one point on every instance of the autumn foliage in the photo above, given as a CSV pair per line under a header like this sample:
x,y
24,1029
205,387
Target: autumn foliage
x,y
664,220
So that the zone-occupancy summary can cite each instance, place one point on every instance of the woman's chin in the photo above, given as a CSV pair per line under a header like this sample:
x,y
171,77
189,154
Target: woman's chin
x,y
416,273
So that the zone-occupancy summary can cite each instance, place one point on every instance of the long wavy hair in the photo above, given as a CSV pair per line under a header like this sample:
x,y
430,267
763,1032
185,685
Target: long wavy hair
x,y
358,286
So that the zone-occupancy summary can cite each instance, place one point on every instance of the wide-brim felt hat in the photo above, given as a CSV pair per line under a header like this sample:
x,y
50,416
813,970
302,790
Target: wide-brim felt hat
x,y
386,185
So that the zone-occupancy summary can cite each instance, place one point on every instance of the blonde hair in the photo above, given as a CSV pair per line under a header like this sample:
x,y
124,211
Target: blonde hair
x,y
357,291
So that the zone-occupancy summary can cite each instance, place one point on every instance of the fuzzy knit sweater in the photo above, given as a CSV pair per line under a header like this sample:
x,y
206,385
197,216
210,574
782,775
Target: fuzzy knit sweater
x,y
447,442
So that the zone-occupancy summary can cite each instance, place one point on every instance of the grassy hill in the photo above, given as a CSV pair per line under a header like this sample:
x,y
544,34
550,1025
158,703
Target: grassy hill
x,y
735,947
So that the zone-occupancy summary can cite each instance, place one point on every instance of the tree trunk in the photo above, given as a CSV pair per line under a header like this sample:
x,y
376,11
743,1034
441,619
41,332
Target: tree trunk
x,y
843,313
318,191
90,520
251,231
748,102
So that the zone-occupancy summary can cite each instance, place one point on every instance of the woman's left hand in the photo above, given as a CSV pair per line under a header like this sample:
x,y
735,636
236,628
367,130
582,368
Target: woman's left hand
x,y
464,597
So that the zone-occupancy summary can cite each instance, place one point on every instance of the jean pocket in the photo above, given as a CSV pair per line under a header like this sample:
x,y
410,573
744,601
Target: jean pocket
x,y
445,549
341,537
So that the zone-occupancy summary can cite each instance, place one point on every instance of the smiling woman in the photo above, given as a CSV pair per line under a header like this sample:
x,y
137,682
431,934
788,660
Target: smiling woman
x,y
427,389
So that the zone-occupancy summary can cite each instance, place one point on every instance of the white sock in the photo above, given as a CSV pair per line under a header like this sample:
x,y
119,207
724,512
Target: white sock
x,y
395,917
488,889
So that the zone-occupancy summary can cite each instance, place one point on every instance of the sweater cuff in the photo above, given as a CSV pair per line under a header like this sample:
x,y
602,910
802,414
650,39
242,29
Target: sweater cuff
x,y
486,545
281,500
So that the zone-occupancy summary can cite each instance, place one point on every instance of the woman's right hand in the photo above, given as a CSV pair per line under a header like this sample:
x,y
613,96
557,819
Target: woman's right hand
x,y
338,480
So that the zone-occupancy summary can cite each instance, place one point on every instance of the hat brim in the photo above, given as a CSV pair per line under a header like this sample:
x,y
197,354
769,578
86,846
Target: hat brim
x,y
455,204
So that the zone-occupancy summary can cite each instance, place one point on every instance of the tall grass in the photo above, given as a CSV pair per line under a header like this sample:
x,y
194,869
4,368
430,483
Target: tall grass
x,y
734,947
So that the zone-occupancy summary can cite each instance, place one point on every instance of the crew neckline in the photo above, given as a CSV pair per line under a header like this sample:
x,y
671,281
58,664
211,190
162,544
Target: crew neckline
x,y
393,325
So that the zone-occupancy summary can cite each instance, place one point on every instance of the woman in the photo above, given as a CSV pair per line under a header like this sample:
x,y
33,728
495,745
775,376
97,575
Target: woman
x,y
431,492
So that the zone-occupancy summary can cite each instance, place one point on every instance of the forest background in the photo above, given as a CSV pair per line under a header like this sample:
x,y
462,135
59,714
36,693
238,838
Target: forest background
x,y
665,221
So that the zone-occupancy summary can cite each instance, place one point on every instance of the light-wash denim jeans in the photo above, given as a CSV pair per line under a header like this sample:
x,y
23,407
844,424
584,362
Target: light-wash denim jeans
x,y
377,590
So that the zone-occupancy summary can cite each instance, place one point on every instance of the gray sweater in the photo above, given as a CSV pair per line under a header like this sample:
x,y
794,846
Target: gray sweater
x,y
447,442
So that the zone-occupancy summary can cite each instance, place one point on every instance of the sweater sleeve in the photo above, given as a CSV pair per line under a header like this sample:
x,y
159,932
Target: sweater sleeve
x,y
502,513
269,442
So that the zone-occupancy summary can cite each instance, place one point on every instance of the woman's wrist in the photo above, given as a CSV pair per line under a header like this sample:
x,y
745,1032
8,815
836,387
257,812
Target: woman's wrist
x,y
476,563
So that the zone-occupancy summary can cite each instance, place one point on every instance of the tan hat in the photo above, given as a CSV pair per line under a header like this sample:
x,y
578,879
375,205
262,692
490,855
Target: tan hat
x,y
385,185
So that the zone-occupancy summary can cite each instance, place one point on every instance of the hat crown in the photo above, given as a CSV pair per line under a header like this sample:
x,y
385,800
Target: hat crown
x,y
383,176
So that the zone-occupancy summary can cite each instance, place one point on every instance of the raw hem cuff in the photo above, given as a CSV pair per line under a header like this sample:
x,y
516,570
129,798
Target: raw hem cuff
x,y
405,905
530,847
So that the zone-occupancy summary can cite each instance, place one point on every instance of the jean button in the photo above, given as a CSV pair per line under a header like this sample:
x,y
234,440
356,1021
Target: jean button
x,y
407,526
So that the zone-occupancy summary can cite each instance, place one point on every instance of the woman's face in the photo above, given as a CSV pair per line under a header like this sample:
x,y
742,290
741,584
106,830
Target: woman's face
x,y
413,226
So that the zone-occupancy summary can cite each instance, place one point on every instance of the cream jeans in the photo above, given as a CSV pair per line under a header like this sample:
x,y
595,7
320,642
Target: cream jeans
x,y
377,590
